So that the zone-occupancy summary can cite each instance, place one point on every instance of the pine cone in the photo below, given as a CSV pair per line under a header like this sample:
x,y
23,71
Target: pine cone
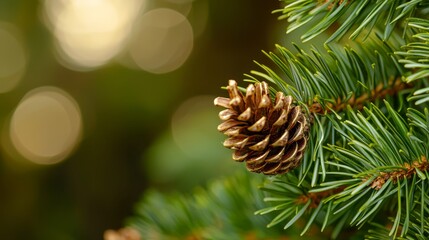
x,y
270,138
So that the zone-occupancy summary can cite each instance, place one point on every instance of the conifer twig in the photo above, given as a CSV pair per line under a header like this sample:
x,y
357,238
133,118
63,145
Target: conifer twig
x,y
379,92
317,197
406,172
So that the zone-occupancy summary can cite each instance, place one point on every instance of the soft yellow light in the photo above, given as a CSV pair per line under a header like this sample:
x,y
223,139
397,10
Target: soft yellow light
x,y
13,59
180,1
46,125
89,33
182,6
164,41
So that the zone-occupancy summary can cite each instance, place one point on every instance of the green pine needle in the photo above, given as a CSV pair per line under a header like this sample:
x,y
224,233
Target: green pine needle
x,y
339,17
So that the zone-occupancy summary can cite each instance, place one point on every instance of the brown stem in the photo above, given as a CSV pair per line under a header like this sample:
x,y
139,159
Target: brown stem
x,y
379,92
317,197
406,172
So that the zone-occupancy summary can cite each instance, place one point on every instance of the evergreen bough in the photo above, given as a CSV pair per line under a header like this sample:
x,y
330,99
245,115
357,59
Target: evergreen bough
x,y
365,172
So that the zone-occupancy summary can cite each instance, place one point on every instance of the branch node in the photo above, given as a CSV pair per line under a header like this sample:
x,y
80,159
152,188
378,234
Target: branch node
x,y
379,92
405,172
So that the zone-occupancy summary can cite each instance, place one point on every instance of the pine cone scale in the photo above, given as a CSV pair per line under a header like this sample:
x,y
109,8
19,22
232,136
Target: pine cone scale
x,y
259,125
272,168
234,142
276,157
282,119
270,135
293,118
302,143
259,159
237,104
227,114
234,131
246,115
290,153
298,133
282,140
256,167
222,102
260,146
229,124
265,102
240,156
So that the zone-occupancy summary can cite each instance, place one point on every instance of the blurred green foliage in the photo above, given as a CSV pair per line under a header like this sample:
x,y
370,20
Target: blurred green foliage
x,y
127,143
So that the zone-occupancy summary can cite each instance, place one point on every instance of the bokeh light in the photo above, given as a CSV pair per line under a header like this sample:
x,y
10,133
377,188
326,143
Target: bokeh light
x,y
13,59
189,126
180,1
185,154
182,6
199,17
119,141
46,125
89,33
163,42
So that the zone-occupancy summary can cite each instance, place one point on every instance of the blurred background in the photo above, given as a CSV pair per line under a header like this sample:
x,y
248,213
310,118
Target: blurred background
x,y
102,99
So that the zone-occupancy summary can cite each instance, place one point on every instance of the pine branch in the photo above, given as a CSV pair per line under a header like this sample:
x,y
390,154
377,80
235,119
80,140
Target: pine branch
x,y
291,199
405,172
418,226
416,58
341,16
388,160
417,51
363,161
358,102
325,77
383,165
329,82
222,211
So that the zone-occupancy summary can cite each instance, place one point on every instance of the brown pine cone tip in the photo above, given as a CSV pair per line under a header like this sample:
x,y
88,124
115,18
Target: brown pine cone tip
x,y
270,137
